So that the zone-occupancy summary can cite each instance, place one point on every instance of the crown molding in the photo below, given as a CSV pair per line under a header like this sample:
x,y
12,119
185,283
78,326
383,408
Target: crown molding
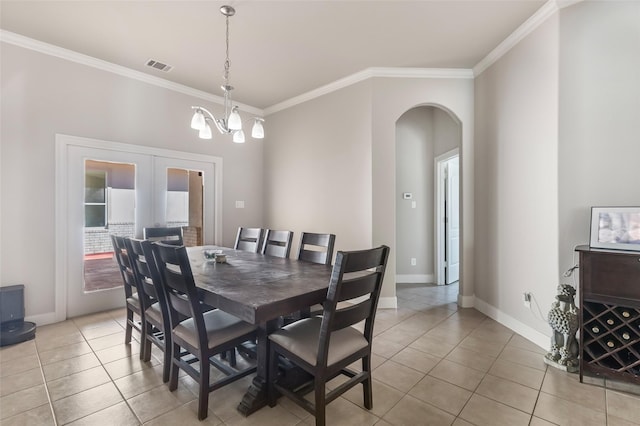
x,y
323,90
70,55
367,74
422,72
541,15
548,9
566,3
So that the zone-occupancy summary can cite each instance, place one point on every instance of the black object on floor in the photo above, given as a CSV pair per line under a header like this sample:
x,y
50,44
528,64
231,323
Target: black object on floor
x,y
13,327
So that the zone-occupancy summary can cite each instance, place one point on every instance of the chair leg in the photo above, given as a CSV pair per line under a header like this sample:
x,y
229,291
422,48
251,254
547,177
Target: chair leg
x,y
320,401
127,334
175,357
366,384
145,352
232,357
166,368
203,393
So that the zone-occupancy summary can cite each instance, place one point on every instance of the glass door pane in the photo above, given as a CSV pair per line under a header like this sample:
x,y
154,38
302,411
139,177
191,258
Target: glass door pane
x,y
184,206
109,208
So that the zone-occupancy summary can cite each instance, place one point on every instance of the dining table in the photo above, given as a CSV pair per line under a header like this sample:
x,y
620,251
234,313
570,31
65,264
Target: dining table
x,y
258,289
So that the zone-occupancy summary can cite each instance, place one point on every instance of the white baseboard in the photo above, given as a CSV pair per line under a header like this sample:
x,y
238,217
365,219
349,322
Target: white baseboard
x,y
522,329
388,302
414,278
42,319
466,301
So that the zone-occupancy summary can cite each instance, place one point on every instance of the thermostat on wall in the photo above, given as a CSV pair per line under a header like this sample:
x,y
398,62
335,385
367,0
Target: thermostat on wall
x,y
407,195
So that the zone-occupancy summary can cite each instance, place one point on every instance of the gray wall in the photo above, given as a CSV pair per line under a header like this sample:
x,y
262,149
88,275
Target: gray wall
x,y
447,132
317,168
557,120
414,173
516,179
43,95
599,151
330,162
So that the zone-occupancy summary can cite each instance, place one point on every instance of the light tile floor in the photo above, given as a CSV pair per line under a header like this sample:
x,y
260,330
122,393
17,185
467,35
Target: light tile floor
x,y
435,364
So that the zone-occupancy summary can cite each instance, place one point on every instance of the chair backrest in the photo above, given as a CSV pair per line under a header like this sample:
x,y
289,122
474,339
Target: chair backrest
x,y
354,275
149,291
167,235
171,264
277,243
124,264
316,248
249,239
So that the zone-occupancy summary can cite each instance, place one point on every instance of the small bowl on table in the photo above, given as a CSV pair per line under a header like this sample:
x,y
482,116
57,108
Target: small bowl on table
x,y
214,255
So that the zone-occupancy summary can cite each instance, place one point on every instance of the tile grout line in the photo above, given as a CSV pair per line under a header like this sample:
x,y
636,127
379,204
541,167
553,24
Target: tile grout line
x,y
485,373
46,386
427,373
538,398
111,378
93,351
500,402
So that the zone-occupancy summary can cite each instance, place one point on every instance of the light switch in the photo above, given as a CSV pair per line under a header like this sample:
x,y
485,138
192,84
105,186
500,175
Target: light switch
x,y
239,204
413,204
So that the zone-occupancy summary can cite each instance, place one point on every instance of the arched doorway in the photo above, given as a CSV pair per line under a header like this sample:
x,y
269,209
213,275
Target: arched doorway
x,y
423,134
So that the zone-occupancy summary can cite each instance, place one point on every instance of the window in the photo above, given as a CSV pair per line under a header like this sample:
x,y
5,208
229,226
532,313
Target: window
x,y
95,199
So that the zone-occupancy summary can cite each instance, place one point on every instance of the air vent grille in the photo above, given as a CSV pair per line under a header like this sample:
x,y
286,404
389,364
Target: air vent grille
x,y
159,65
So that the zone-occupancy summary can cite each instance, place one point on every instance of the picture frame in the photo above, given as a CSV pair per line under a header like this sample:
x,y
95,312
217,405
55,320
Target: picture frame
x,y
616,228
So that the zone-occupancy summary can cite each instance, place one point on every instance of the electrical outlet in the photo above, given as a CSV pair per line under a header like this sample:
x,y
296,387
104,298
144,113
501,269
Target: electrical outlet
x,y
413,261
526,298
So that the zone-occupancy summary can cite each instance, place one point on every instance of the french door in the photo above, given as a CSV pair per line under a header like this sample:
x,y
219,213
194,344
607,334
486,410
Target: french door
x,y
111,188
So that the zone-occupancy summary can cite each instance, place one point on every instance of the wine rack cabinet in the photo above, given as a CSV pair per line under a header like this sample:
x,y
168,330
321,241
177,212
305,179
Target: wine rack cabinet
x,y
610,313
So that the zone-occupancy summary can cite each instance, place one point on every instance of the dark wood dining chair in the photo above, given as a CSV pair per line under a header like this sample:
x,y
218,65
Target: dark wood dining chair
x,y
249,239
277,243
132,301
316,248
324,346
168,235
203,335
155,313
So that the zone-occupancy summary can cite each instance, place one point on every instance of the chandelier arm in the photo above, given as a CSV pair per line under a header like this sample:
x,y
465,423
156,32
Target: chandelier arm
x,y
220,123
222,126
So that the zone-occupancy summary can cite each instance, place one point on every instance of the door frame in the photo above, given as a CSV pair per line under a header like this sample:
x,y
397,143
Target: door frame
x,y
61,231
439,214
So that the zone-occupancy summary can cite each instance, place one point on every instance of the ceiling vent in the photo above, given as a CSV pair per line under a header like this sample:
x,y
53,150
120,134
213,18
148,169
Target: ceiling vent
x,y
159,65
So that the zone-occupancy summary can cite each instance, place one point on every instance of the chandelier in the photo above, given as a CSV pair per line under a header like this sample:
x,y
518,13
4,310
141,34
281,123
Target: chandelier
x,y
231,123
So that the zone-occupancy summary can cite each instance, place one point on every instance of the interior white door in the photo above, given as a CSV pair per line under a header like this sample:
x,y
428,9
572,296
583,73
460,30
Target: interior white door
x,y
453,221
80,301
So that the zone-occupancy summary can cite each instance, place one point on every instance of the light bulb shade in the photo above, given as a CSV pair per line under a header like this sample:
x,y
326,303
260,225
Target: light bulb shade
x,y
197,121
238,136
235,122
205,132
257,131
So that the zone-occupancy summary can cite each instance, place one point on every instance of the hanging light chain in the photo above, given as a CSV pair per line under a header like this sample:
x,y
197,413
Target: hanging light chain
x,y
227,63
231,122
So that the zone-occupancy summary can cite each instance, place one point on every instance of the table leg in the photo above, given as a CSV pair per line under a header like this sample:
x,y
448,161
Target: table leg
x,y
256,396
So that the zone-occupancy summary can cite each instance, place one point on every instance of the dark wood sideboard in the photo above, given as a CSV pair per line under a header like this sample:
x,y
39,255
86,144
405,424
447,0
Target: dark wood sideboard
x,y
610,313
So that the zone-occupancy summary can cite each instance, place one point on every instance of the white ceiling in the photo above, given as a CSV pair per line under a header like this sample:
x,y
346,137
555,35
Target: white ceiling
x,y
278,49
